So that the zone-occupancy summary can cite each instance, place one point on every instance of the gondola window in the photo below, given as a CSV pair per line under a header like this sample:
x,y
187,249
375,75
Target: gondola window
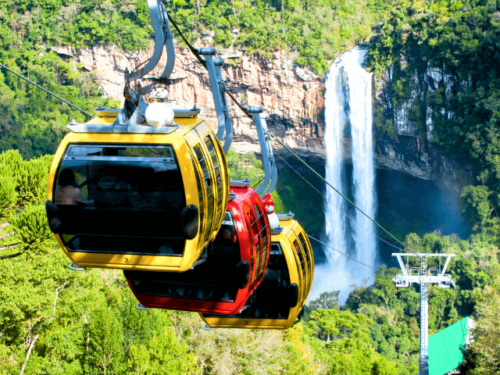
x,y
120,199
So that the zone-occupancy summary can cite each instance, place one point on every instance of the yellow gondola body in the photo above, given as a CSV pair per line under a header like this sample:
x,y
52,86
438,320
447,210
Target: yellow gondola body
x,y
293,245
192,150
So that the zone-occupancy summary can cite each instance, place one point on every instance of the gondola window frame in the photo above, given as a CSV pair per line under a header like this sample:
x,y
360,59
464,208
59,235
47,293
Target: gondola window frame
x,y
65,156
208,179
298,265
307,251
216,169
262,237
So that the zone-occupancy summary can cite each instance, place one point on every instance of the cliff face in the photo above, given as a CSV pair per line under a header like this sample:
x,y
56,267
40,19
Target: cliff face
x,y
294,99
293,96
410,148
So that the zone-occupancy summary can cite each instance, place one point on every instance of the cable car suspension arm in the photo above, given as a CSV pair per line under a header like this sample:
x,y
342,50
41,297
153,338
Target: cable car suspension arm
x,y
271,173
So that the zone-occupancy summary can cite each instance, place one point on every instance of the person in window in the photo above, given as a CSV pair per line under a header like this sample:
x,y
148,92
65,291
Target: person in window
x,y
67,193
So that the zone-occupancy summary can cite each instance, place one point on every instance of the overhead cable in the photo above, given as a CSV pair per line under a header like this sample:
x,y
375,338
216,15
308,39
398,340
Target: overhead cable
x,y
195,52
331,186
324,244
47,91
319,192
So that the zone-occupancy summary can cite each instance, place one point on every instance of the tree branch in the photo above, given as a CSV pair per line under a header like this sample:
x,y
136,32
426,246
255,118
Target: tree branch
x,y
28,354
8,247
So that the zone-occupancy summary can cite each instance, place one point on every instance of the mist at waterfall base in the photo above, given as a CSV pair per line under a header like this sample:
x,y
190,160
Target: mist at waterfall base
x,y
401,203
406,204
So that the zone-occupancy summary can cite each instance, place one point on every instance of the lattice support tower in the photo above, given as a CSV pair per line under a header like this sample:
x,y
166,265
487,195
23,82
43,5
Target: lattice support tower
x,y
424,276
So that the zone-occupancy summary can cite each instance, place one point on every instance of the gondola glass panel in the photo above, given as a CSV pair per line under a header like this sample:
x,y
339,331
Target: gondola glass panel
x,y
218,179
263,236
208,179
256,240
120,199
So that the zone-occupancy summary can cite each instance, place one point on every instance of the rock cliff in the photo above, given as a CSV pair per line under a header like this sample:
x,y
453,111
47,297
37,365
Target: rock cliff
x,y
410,149
293,96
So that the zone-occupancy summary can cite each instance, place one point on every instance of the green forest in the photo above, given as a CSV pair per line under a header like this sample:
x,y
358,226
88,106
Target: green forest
x,y
460,40
55,321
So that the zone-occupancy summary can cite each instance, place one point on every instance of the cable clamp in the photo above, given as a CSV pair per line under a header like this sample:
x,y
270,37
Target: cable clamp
x,y
270,136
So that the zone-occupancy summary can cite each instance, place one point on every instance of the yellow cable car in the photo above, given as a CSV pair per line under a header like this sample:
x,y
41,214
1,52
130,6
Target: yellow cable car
x,y
138,200
280,297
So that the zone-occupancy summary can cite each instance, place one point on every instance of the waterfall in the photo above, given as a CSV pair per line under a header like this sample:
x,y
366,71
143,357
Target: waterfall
x,y
359,83
348,114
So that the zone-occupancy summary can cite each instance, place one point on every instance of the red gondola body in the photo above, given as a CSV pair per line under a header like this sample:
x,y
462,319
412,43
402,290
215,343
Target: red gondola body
x,y
233,268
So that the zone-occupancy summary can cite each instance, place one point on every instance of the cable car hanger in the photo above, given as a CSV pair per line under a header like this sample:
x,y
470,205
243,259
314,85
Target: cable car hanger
x,y
219,89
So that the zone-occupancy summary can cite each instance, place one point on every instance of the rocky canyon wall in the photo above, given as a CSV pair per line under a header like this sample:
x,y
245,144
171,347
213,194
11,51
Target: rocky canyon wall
x,y
293,96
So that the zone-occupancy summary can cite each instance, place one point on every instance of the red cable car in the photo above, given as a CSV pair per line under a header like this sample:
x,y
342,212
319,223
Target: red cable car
x,y
234,266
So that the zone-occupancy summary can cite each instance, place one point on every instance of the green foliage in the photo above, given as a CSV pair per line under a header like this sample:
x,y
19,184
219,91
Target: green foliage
x,y
382,124
484,351
31,179
32,121
32,227
8,194
292,189
10,161
348,344
26,181
245,166
476,204
458,41
157,358
326,300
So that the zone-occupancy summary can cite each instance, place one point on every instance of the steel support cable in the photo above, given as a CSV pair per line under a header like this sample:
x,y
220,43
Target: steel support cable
x,y
47,91
193,49
202,62
345,213
350,257
338,192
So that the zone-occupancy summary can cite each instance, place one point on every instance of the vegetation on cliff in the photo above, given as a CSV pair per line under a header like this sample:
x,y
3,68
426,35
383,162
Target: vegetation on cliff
x,y
456,43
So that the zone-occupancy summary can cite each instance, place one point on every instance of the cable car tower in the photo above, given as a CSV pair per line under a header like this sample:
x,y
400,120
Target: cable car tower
x,y
424,276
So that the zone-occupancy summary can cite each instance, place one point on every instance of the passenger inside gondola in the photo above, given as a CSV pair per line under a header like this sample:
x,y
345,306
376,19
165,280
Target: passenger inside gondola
x,y
67,193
